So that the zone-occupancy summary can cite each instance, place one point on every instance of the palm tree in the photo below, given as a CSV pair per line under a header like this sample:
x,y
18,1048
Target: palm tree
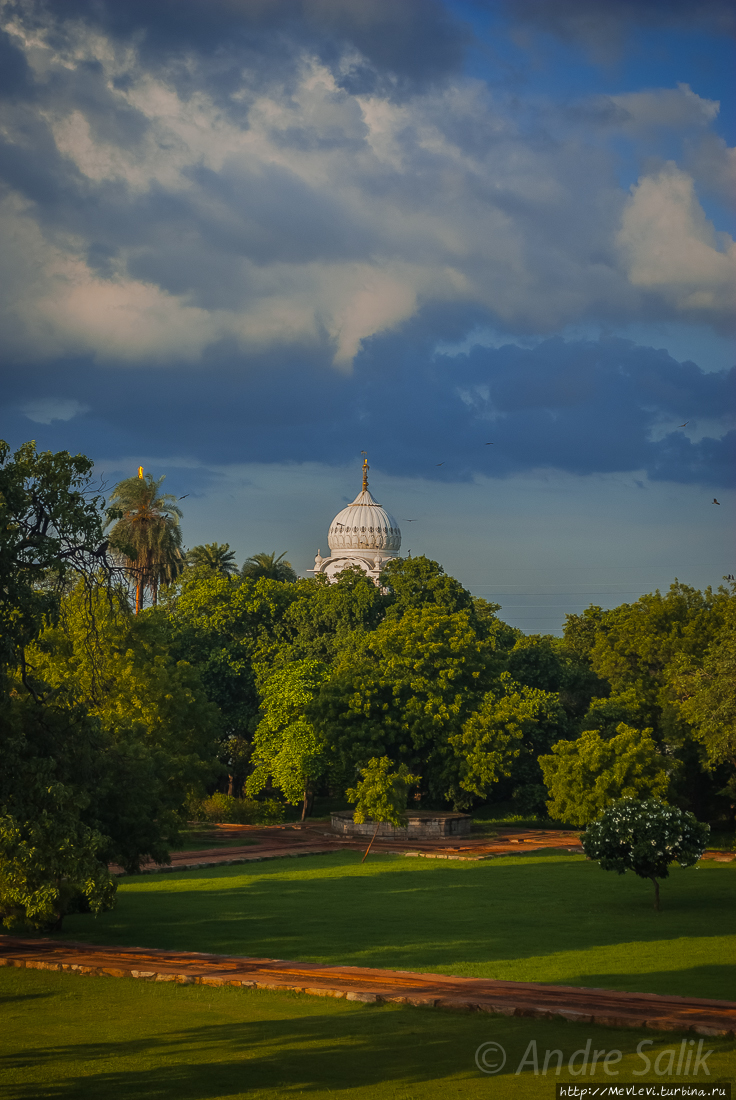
x,y
269,567
215,556
146,533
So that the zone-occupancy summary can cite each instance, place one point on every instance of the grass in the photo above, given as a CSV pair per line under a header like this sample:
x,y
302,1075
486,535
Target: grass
x,y
547,917
80,1038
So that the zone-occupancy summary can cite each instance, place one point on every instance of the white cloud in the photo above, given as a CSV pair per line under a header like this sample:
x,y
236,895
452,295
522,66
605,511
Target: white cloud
x,y
671,247
307,214
46,409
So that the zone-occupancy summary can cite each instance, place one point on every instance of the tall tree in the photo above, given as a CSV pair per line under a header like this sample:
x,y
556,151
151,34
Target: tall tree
x,y
269,567
286,748
50,532
216,557
146,533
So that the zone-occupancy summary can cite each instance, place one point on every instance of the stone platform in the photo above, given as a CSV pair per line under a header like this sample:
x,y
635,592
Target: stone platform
x,y
420,825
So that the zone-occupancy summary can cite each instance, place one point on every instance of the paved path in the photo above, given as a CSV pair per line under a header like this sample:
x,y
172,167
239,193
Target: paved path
x,y
316,838
356,983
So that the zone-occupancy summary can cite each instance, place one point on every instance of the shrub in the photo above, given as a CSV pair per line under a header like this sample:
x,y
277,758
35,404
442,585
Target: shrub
x,y
225,809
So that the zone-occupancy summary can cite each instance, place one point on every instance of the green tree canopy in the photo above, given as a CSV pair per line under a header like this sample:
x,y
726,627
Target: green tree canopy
x,y
415,583
50,531
146,534
705,684
157,729
404,692
269,567
381,795
287,750
224,627
584,777
49,851
493,736
215,557
645,836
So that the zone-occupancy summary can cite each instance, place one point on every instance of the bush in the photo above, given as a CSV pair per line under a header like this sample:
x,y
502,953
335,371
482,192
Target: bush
x,y
645,837
225,809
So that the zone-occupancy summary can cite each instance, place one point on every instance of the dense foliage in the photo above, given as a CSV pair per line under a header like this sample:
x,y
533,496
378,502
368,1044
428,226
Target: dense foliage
x,y
115,726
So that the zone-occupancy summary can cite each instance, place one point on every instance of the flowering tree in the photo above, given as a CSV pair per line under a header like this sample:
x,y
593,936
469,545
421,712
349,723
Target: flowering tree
x,y
645,837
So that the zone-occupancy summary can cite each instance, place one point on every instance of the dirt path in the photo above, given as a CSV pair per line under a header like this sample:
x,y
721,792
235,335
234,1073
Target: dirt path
x,y
316,838
599,1006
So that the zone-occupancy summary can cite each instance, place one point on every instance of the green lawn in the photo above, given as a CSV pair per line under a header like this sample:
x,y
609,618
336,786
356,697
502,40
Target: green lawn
x,y
549,917
78,1038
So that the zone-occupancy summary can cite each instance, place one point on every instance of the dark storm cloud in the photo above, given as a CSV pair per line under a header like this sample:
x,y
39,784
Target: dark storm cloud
x,y
583,408
402,46
601,26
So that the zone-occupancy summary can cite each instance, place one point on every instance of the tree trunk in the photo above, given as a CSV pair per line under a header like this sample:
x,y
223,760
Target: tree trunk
x,y
138,594
308,802
375,833
231,785
656,892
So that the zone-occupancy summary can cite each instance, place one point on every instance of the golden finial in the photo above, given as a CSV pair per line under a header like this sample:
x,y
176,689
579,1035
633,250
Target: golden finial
x,y
140,471
366,468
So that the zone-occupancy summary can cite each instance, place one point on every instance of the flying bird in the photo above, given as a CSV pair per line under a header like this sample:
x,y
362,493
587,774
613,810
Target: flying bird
x,y
405,520
716,501
184,497
490,444
684,425
441,463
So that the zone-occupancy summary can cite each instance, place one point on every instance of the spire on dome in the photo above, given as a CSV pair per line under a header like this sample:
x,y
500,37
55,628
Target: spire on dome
x,y
366,468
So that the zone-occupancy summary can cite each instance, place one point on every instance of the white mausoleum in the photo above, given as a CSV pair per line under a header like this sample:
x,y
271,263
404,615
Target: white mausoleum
x,y
363,534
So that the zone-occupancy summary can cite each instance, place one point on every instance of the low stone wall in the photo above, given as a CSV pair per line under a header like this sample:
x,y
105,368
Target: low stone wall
x,y
419,824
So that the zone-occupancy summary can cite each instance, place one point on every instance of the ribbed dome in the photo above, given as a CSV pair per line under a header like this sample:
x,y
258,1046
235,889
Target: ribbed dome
x,y
363,526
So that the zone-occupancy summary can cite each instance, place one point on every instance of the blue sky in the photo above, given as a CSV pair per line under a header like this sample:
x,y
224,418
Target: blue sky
x,y
244,241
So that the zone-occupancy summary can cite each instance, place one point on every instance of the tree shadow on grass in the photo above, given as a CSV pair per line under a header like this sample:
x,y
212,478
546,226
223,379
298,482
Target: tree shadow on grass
x,y
716,981
409,917
289,1055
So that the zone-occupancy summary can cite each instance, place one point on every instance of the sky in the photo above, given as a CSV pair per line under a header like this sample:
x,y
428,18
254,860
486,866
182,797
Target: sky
x,y
490,243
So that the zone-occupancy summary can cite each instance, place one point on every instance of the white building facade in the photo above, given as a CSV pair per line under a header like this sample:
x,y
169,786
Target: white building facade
x,y
363,534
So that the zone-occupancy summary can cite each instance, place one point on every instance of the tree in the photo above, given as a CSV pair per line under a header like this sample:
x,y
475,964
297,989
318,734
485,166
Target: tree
x,y
414,583
269,567
403,692
156,733
493,736
215,557
585,776
286,748
146,533
50,531
640,650
706,687
49,853
645,837
381,794
224,628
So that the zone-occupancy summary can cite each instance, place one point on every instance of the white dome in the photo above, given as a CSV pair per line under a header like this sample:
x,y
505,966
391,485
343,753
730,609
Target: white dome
x,y
364,526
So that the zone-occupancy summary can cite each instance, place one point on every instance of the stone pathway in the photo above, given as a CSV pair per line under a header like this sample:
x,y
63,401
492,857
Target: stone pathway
x,y
355,983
